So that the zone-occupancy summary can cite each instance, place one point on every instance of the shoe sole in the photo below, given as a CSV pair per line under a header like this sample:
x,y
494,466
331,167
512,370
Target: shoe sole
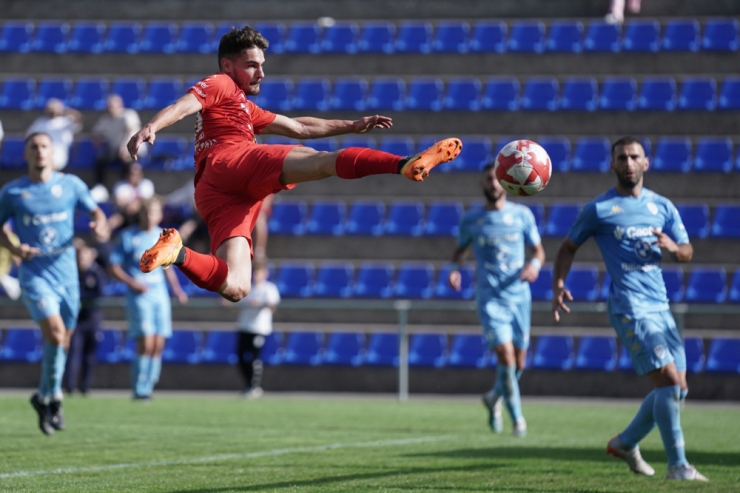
x,y
148,264
420,165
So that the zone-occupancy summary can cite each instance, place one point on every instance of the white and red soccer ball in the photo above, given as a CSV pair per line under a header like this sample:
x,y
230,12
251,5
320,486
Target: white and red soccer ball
x,y
523,168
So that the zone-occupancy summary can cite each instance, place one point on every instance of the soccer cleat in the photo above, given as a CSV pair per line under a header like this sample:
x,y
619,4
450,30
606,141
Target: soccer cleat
x,y
685,472
253,393
164,252
57,416
142,398
418,166
632,456
492,401
520,428
44,416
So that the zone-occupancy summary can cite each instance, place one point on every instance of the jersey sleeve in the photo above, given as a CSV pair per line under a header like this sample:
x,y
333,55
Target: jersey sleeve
x,y
674,225
531,234
84,199
212,90
273,295
465,235
260,118
585,225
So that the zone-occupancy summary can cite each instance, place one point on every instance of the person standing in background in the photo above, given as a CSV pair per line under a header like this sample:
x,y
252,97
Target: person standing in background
x,y
61,124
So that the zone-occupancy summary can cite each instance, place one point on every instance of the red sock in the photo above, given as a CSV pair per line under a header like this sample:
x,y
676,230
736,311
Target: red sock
x,y
206,271
356,162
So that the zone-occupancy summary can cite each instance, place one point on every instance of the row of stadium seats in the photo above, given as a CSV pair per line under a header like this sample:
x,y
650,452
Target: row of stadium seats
x,y
395,94
550,352
484,36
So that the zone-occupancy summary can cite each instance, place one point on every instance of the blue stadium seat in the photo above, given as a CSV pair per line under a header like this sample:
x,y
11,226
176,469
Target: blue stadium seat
x,y
602,37
553,353
273,349
288,218
729,96
303,348
414,281
334,280
197,37
558,148
327,218
501,94
382,350
538,211
724,356
596,353
167,151
672,154
542,287
15,37
17,94
476,153
414,37
221,29
366,218
720,35
159,37
341,38
90,93
625,362
274,32
84,154
618,94
53,87
275,94
560,218
327,144
592,154
673,279
698,93
163,91
695,359
377,37
725,223
605,286
21,345
220,347
110,346
642,36
303,37
387,93
527,37
86,37
734,296
295,279
468,351
583,283
425,94
405,219
488,37
443,218
657,93
344,349
312,94
123,37
451,37
467,288
374,280
580,94
11,153
400,146
540,94
51,37
681,35
707,285
428,350
132,90
463,94
349,94
183,347
714,154
359,141
565,36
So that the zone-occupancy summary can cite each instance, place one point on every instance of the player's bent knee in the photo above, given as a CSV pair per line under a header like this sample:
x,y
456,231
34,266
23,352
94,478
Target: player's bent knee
x,y
236,292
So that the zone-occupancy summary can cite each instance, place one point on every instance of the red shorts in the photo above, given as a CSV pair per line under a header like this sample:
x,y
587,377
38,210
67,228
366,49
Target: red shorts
x,y
232,185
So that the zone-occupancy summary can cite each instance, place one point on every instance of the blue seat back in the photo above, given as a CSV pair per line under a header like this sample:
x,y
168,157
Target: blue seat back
x,y
725,223
592,154
274,32
334,280
132,90
17,93
642,36
275,94
724,356
467,288
197,37
488,37
377,37
735,288
618,94
580,94
558,148
542,287
425,94
183,347
341,38
501,94
349,94
714,154
51,37
565,36
387,93
83,154
443,218
672,154
295,280
415,281
596,353
673,279
220,347
21,345
366,218
695,218
303,37
540,94
54,87
288,218
720,35
163,91
658,93
468,351
694,354
527,37
123,37
681,35
463,94
583,283
87,37
405,219
553,353
698,93
382,349
327,218
374,280
707,285
273,350
476,153
15,37
560,218
344,348
451,37
159,37
414,37
312,94
110,346
729,97
90,93
11,153
303,348
602,37
400,146
428,350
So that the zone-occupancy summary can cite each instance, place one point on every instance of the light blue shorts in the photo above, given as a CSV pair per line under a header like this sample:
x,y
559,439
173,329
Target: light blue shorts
x,y
149,314
503,322
44,300
652,341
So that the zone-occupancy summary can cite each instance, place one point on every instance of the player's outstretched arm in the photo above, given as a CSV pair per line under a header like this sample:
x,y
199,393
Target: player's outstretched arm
x,y
531,270
455,278
174,282
117,272
99,225
563,262
681,253
307,127
185,106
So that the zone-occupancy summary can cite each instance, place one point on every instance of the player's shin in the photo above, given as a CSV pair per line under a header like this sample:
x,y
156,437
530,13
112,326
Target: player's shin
x,y
668,417
357,162
52,371
206,271
508,387
154,372
642,424
140,367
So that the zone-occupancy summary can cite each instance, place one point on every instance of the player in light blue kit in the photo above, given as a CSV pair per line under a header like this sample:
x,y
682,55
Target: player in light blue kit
x,y
631,225
499,234
42,206
148,307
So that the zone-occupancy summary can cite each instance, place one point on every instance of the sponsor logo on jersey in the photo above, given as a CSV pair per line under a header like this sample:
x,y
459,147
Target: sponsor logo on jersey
x,y
56,190
48,236
643,249
508,219
660,351
639,267
25,194
634,232
615,210
41,219
652,208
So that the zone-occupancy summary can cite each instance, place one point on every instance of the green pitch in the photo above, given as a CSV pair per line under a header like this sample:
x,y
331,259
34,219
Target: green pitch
x,y
217,444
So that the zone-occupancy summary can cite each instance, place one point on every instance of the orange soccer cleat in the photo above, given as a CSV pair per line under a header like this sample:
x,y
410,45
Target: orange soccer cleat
x,y
418,167
164,252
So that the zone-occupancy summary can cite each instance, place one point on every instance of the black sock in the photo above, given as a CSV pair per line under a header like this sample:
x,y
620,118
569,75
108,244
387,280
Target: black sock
x,y
402,163
180,257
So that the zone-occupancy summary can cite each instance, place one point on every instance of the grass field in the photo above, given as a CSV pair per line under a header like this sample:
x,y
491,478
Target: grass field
x,y
219,444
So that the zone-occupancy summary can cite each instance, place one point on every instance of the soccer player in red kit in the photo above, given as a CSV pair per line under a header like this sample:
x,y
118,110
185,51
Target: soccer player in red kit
x,y
233,174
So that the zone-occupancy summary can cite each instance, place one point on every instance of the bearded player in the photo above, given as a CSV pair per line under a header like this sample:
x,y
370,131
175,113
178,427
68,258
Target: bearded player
x,y
234,174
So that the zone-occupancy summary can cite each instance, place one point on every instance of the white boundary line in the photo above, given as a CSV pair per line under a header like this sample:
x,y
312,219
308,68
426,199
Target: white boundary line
x,y
225,457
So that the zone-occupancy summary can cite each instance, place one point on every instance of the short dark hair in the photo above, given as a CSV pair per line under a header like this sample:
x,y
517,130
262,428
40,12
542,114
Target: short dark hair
x,y
488,167
35,134
237,40
627,140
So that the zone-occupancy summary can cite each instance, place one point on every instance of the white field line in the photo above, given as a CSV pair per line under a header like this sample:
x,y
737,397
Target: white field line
x,y
224,457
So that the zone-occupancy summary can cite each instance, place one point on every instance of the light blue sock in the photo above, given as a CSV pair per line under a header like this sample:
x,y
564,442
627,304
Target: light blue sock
x,y
667,413
642,424
52,370
519,374
683,395
507,386
140,374
154,371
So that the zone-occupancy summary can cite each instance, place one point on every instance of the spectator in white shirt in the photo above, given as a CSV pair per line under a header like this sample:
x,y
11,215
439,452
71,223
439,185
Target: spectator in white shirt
x,y
128,194
111,133
61,124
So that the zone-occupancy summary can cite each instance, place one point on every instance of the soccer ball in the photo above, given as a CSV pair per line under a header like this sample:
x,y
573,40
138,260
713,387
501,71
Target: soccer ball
x,y
523,168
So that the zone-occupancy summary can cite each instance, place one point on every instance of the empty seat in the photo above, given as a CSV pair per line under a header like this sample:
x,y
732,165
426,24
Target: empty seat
x,y
382,350
468,351
642,36
273,349
334,280
163,91
560,218
618,94
345,349
22,345
592,154
625,362
694,347
377,37
275,33
295,279
87,37
476,153
400,146
558,148
428,350
606,285
387,94
467,286
414,281
51,37
443,218
538,212
183,347
707,285
15,37
312,94
123,37
327,144
672,154
167,151
602,37
540,94
84,154
725,223
580,94
681,35
724,356
713,154
303,37
110,346
565,36
673,279
425,94
451,37
729,96
220,347
657,93
501,93
11,153
735,288
414,37
288,218
341,38
405,219
90,93
349,94
159,37
275,95
197,37
303,348
17,94
720,35
583,283
54,87
132,90
488,37
527,37
596,353
327,218
553,353
366,218
463,94
542,287
374,280
698,93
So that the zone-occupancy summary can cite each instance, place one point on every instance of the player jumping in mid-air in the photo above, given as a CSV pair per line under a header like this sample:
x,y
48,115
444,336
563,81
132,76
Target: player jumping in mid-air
x,y
42,206
631,225
498,234
234,174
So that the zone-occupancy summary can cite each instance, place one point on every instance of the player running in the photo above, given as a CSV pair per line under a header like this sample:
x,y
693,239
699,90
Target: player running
x,y
630,225
498,233
233,174
42,206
